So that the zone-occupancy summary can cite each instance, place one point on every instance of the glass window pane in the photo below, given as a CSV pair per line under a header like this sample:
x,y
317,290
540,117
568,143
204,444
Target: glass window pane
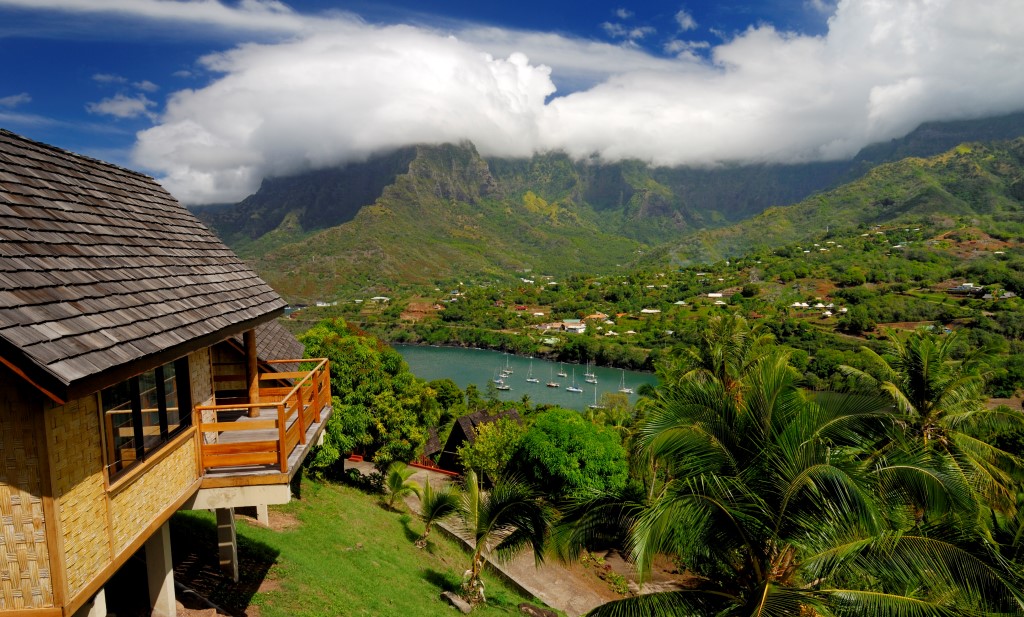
x,y
117,414
171,397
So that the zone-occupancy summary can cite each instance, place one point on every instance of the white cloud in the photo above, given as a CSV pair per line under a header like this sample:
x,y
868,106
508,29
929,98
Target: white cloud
x,y
339,90
146,86
252,15
183,73
685,49
121,106
623,13
614,30
108,78
685,21
12,101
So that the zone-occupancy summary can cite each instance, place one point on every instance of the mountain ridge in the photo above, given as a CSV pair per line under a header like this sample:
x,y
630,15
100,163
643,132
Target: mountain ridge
x,y
422,214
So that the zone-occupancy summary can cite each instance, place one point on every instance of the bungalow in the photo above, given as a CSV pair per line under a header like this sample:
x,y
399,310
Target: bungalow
x,y
119,316
464,431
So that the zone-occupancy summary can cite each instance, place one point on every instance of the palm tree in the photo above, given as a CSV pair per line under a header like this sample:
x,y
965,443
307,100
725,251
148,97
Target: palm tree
x,y
435,506
728,349
398,483
506,520
772,501
941,401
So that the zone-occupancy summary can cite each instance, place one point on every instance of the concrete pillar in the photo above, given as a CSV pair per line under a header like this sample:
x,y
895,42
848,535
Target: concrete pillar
x,y
263,514
97,607
227,542
252,370
160,572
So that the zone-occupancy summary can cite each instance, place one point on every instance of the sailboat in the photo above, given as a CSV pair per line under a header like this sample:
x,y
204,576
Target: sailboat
x,y
573,387
589,376
503,386
561,371
496,379
595,405
505,372
529,377
622,384
551,381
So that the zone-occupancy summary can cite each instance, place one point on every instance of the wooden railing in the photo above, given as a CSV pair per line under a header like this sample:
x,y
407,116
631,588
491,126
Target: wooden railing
x,y
284,414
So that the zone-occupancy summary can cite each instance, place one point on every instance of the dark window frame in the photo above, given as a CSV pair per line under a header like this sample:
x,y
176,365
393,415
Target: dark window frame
x,y
145,447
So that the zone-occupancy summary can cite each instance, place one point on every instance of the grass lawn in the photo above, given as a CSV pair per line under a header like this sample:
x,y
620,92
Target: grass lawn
x,y
336,551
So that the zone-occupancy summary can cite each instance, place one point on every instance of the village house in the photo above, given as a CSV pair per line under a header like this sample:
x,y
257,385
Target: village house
x,y
141,371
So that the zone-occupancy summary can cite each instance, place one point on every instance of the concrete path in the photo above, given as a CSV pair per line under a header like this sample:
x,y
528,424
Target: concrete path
x,y
551,583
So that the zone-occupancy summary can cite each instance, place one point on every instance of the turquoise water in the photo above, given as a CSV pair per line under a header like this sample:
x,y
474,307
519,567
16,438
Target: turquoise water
x,y
480,366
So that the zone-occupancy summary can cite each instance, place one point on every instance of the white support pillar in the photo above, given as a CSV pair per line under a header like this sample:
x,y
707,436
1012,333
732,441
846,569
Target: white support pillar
x,y
227,542
97,607
160,571
263,514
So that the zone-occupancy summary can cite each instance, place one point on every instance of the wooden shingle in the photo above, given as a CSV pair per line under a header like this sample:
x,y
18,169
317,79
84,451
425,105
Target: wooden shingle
x,y
103,274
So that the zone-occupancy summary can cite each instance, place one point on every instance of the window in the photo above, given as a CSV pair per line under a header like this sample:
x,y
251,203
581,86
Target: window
x,y
144,412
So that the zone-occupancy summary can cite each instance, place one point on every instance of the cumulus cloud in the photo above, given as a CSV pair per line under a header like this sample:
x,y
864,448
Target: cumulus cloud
x,y
146,86
623,13
340,93
686,21
122,106
12,101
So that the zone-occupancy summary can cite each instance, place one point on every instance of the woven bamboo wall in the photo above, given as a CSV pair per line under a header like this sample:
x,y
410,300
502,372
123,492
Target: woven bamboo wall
x,y
136,506
24,563
201,373
76,468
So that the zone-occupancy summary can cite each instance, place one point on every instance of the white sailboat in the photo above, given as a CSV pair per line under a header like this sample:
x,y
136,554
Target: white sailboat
x,y
551,381
505,372
595,405
561,371
589,376
573,387
529,377
622,384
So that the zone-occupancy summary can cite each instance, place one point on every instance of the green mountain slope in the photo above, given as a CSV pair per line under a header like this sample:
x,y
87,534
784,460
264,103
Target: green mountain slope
x,y
426,214
971,184
442,219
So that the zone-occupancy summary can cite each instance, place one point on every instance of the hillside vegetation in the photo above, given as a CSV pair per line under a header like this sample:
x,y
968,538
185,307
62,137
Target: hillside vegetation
x,y
425,215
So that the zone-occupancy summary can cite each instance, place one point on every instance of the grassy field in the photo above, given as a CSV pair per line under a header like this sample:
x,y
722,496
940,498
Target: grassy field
x,y
336,551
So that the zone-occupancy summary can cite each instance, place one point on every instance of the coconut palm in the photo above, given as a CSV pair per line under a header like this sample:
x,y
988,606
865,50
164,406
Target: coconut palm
x,y
942,405
398,483
505,521
729,347
772,501
435,506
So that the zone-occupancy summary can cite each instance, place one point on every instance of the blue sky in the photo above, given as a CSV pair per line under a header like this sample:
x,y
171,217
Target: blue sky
x,y
211,96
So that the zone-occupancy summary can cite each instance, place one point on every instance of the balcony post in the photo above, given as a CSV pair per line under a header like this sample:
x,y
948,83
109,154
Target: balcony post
x,y
252,370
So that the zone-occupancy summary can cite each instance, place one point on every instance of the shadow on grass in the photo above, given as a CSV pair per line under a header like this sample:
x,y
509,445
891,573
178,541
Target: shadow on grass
x,y
410,534
194,547
444,581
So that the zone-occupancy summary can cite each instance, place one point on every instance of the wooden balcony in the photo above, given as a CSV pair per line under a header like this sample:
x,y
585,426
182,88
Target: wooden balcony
x,y
265,441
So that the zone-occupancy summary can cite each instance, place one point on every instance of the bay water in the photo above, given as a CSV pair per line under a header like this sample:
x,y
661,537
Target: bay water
x,y
480,366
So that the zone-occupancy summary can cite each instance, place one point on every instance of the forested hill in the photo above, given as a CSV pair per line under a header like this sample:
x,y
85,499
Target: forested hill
x,y
976,184
428,213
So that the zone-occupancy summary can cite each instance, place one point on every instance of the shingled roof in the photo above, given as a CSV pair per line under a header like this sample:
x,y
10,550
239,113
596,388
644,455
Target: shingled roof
x,y
104,275
274,342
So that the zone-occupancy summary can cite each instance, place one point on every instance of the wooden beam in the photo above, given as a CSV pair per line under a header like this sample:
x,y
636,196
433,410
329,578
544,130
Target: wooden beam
x,y
252,368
